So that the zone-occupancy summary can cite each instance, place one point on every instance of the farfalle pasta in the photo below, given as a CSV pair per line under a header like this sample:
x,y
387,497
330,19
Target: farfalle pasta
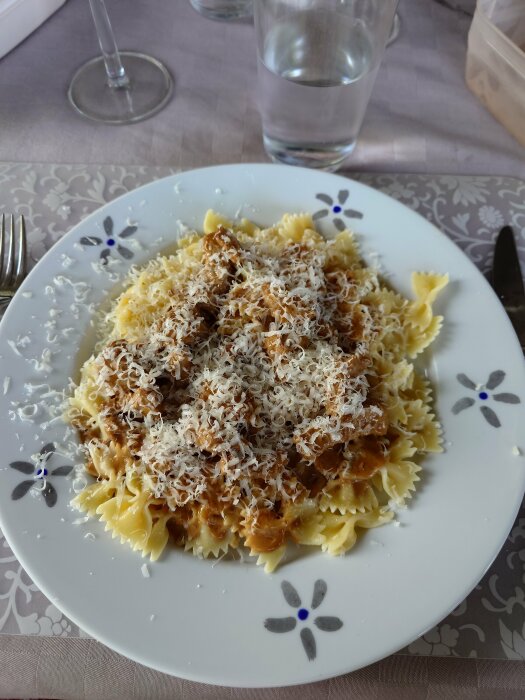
x,y
255,389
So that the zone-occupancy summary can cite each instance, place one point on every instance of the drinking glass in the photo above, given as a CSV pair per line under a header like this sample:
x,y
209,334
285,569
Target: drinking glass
x,y
317,63
223,9
118,87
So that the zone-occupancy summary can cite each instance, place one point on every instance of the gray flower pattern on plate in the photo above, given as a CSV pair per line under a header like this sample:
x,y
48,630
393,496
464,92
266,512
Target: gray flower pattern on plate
x,y
494,380
336,209
111,242
326,623
41,477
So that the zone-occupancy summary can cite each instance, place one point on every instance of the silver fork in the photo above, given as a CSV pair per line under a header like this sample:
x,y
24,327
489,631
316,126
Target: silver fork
x,y
13,264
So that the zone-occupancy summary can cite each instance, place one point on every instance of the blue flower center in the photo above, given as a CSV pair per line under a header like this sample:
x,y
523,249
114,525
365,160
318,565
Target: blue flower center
x,y
110,241
41,473
483,395
337,209
302,614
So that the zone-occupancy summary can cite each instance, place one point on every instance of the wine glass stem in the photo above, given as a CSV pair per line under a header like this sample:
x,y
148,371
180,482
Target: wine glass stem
x,y
116,74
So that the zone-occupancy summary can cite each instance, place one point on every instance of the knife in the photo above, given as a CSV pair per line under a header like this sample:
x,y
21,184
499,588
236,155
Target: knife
x,y
508,282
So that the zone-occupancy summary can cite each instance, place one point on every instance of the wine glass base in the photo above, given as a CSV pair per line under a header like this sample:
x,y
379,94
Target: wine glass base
x,y
225,10
149,90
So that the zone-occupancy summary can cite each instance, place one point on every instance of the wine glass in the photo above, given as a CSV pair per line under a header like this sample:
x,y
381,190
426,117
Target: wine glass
x,y
118,87
396,28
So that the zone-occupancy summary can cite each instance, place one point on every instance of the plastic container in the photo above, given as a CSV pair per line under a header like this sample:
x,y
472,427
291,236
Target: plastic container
x,y
19,18
495,70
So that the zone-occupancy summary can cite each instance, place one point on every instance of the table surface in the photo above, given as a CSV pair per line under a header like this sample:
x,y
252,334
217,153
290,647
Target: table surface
x,y
421,119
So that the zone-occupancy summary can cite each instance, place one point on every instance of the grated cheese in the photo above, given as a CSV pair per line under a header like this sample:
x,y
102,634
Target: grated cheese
x,y
14,348
44,363
270,376
66,260
241,390
27,412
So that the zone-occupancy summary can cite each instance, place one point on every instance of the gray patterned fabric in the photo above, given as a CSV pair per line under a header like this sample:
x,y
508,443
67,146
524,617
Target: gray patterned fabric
x,y
80,669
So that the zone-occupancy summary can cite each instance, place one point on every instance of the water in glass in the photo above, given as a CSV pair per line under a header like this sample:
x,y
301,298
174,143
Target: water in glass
x,y
314,94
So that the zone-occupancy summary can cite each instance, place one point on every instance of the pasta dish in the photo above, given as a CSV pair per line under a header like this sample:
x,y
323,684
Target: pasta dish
x,y
254,389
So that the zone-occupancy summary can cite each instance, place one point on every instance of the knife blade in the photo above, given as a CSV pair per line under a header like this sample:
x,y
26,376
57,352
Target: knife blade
x,y
508,282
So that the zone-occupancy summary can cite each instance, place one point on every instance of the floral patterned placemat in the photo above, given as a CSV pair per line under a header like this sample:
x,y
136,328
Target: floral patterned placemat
x,y
490,623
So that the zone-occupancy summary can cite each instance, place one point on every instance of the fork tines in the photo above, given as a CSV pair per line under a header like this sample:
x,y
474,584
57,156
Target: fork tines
x,y
12,263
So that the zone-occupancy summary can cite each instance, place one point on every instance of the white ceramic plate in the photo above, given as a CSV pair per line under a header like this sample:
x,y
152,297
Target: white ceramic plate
x,y
208,622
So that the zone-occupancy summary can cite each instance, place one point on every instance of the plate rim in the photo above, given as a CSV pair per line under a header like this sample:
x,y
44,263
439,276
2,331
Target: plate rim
x,y
188,674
